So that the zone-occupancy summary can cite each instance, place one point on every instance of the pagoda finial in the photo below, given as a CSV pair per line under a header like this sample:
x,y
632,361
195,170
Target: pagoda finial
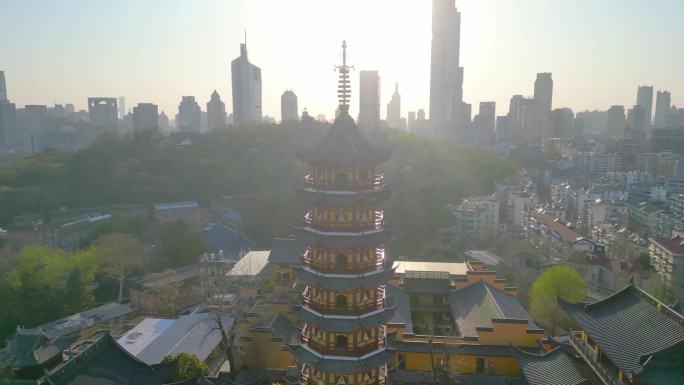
x,y
343,85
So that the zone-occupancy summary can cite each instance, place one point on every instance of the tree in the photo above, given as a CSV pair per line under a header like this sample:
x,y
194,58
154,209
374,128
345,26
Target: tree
x,y
121,253
76,293
643,261
557,282
188,367
180,246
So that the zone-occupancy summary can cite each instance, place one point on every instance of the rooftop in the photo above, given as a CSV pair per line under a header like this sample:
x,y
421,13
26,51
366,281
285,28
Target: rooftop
x,y
483,256
476,305
84,319
253,263
233,243
154,338
674,244
630,327
286,251
564,231
176,205
554,368
451,268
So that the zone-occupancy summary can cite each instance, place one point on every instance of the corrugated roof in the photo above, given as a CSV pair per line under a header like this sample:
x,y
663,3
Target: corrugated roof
x,y
251,264
152,339
176,205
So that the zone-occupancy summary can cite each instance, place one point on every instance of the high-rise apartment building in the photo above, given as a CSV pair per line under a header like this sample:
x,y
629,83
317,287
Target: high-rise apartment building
x,y
289,111
146,117
662,108
164,124
447,110
394,109
369,100
246,89
216,112
645,100
189,117
103,114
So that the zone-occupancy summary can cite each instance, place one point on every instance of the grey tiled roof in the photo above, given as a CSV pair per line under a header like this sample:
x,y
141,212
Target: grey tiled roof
x,y
343,283
107,363
280,327
286,251
477,304
344,324
402,301
628,327
426,285
554,368
345,144
343,365
402,376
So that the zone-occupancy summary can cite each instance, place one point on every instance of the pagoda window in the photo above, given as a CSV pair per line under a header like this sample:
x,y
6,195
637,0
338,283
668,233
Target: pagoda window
x,y
341,261
341,342
341,179
341,301
341,381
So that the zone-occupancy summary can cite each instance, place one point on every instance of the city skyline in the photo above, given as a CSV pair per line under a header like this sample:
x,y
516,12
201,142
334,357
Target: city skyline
x,y
501,51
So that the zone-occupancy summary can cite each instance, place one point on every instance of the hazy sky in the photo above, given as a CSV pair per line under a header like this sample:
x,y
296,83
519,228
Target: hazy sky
x,y
158,50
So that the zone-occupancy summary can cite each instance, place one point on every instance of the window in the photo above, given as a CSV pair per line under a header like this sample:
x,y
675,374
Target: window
x,y
480,365
341,342
341,301
341,261
341,179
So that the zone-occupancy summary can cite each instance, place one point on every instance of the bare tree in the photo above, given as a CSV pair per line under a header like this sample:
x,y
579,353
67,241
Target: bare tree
x,y
121,254
442,371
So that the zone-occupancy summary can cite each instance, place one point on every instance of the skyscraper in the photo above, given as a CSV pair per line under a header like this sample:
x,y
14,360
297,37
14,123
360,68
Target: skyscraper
x,y
615,122
645,100
8,125
216,112
447,110
484,125
103,114
163,122
189,115
122,107
146,117
636,118
543,90
369,100
3,87
289,112
246,89
394,109
662,109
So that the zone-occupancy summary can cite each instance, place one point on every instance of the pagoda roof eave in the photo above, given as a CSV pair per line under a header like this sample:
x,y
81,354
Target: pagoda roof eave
x,y
340,282
343,324
341,364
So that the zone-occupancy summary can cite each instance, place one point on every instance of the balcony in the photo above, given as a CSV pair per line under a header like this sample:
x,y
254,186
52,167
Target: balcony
x,y
352,267
376,183
609,375
353,309
349,350
375,223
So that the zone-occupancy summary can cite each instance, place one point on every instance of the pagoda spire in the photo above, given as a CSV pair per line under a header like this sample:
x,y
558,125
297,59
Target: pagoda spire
x,y
343,85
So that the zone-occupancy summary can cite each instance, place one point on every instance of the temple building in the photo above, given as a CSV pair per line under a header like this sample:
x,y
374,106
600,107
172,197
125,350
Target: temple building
x,y
343,273
630,338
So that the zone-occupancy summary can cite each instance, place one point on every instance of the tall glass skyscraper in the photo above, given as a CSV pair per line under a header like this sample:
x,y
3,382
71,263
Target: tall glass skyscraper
x,y
246,89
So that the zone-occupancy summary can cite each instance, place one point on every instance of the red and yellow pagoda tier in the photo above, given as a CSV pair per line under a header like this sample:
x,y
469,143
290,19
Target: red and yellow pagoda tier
x,y
344,307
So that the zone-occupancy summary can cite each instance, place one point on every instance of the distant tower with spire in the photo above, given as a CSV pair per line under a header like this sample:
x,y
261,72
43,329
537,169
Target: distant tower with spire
x,y
394,109
246,89
344,307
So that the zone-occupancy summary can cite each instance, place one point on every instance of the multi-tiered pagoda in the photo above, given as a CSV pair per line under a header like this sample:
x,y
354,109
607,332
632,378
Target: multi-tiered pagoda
x,y
344,306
